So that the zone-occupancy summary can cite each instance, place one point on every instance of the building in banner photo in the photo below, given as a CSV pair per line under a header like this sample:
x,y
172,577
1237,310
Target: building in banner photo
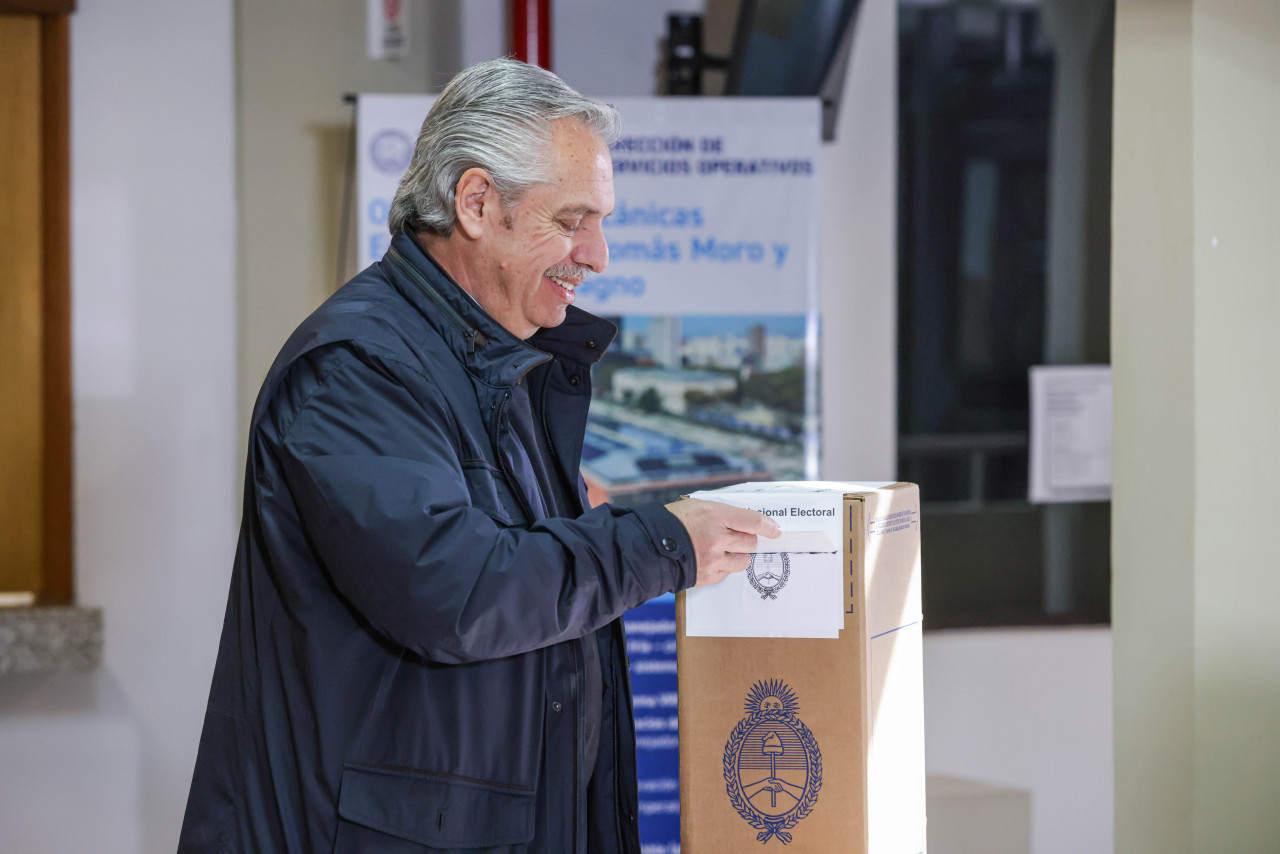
x,y
695,402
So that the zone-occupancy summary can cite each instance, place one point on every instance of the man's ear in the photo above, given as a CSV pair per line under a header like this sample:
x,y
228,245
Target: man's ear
x,y
472,195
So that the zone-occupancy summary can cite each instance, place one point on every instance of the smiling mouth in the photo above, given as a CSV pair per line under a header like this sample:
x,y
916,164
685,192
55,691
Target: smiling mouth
x,y
565,287
564,283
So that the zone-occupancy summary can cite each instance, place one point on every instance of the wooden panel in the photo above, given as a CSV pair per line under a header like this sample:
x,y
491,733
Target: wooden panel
x,y
21,306
37,7
56,225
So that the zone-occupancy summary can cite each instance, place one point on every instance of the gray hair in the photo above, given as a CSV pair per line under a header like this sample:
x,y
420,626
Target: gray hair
x,y
497,116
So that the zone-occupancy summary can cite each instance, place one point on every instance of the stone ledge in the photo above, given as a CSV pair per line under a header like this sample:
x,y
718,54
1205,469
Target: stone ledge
x,y
50,639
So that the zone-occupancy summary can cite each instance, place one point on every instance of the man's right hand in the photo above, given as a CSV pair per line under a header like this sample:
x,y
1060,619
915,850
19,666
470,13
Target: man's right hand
x,y
723,536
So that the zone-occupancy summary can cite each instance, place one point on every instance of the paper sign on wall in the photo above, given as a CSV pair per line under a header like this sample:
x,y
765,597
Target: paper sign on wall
x,y
1070,433
387,29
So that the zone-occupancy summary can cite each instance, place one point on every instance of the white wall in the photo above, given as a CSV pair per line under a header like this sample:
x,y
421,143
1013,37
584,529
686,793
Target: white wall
x,y
611,48
859,257
1030,709
102,762
1197,413
294,63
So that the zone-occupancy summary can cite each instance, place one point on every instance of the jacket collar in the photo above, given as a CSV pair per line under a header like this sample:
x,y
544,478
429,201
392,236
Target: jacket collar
x,y
483,345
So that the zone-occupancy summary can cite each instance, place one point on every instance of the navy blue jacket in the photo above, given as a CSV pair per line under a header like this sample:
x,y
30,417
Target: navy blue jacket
x,y
403,645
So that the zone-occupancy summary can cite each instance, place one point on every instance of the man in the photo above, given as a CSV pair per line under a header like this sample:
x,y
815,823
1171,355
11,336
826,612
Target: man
x,y
422,649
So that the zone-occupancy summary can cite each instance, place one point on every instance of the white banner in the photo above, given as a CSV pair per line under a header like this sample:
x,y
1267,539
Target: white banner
x,y
386,131
716,208
716,201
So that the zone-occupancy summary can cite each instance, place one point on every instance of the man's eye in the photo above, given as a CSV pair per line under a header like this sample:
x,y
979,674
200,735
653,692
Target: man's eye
x,y
570,226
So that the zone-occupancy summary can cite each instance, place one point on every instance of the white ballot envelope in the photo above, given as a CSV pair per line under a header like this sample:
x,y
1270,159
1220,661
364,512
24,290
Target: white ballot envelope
x,y
797,542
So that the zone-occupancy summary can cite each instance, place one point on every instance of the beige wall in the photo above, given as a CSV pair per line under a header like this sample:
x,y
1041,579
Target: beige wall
x,y
294,63
102,761
858,260
1197,418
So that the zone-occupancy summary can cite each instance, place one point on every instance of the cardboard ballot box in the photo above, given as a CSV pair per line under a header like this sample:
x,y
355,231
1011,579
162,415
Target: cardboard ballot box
x,y
813,742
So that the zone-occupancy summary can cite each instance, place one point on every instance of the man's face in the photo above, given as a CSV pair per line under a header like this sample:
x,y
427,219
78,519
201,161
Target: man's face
x,y
548,242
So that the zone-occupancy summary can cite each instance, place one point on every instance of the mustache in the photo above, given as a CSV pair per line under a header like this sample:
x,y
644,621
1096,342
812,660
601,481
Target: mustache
x,y
574,273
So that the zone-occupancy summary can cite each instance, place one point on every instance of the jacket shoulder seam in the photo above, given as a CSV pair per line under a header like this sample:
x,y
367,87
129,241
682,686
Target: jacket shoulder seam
x,y
345,359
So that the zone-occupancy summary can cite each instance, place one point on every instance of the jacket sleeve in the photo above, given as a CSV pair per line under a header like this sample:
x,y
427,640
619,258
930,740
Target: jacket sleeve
x,y
373,471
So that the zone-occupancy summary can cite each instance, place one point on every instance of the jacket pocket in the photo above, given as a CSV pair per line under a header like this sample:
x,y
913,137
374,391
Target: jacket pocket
x,y
490,493
437,810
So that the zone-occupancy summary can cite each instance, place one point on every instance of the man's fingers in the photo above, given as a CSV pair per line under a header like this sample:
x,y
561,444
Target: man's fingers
x,y
731,564
740,543
750,522
723,536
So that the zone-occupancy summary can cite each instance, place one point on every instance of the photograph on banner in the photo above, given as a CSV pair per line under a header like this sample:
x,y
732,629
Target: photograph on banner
x,y
689,402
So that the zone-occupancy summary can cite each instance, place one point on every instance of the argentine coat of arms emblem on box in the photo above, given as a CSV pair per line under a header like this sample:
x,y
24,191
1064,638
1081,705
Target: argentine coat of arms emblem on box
x,y
772,765
768,573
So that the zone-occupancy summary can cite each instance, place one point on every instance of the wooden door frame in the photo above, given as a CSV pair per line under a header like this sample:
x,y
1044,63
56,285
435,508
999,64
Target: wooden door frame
x,y
57,587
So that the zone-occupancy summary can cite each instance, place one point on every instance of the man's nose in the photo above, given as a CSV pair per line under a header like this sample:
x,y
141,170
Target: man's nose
x,y
591,250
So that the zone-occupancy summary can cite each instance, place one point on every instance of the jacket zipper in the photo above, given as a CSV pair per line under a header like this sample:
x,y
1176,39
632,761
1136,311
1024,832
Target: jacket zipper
x,y
579,761
570,488
619,821
475,338
502,459
579,660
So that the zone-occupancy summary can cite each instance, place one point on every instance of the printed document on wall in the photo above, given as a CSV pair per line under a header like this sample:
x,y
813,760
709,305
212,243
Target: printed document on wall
x,y
1070,433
